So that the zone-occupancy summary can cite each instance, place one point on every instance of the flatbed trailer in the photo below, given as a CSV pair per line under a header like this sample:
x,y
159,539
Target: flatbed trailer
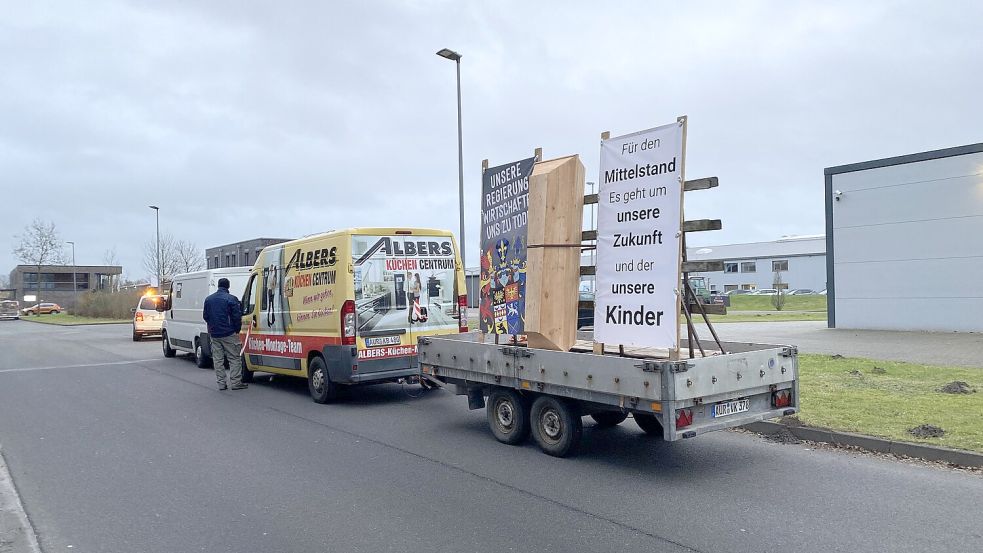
x,y
546,393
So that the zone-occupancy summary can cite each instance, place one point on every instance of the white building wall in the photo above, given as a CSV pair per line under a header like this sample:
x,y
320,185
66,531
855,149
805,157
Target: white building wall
x,y
908,245
804,271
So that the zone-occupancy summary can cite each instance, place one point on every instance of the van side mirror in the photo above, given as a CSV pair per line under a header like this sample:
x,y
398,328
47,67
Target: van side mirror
x,y
133,310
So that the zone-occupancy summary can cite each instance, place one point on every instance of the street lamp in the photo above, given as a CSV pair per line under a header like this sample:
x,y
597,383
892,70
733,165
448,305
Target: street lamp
x,y
455,57
159,275
75,288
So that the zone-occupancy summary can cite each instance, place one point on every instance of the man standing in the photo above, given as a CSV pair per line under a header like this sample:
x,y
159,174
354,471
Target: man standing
x,y
223,314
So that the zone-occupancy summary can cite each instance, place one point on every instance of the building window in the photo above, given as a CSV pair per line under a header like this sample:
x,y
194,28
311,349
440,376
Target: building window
x,y
748,267
233,260
748,287
226,260
730,267
245,258
781,286
779,265
215,265
729,287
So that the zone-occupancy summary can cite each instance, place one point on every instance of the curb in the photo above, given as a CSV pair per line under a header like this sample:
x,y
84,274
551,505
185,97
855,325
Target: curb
x,y
870,443
28,320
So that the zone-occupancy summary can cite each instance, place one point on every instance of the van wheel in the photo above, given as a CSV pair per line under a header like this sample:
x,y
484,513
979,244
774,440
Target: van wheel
x,y
649,423
168,350
201,360
508,416
607,419
319,383
556,425
136,337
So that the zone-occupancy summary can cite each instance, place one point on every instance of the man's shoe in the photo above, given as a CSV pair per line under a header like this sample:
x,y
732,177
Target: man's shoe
x,y
240,386
222,387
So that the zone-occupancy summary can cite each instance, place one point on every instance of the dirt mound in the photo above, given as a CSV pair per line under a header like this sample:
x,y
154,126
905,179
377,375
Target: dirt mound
x,y
926,431
856,372
878,370
957,387
783,436
836,356
792,420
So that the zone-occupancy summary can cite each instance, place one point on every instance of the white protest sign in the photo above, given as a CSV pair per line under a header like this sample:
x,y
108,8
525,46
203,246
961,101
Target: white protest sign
x,y
638,238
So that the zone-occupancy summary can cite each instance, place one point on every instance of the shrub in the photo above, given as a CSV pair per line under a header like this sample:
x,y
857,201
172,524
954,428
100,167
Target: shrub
x,y
107,305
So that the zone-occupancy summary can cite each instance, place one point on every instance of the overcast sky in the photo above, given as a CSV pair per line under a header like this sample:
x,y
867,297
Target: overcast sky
x,y
281,119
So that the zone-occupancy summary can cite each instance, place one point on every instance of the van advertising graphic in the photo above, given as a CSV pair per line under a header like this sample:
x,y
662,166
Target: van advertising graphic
x,y
504,236
402,284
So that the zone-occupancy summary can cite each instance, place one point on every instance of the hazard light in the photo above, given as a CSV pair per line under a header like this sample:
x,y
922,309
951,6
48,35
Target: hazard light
x,y
781,398
462,307
684,418
348,323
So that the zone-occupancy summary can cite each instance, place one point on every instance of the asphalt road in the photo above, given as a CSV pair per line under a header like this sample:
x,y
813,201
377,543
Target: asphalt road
x,y
114,448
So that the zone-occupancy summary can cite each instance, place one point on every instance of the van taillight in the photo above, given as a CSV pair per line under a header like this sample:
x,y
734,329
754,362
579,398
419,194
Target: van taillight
x,y
462,307
684,418
139,317
781,398
348,323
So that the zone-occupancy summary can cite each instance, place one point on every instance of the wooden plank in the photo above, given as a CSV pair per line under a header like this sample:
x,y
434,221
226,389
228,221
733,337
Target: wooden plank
x,y
699,225
588,235
703,266
700,184
586,270
556,195
585,304
598,346
590,199
710,308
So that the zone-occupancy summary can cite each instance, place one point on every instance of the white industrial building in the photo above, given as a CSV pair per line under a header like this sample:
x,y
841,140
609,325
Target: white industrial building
x,y
800,260
905,242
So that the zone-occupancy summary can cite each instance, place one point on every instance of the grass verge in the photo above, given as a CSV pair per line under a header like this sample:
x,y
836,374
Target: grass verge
x,y
66,319
887,398
744,302
777,316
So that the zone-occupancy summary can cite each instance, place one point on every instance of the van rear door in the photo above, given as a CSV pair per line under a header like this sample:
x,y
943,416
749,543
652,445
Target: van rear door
x,y
404,288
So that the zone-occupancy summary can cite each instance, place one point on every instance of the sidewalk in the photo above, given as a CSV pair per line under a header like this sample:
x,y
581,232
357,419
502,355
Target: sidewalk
x,y
930,348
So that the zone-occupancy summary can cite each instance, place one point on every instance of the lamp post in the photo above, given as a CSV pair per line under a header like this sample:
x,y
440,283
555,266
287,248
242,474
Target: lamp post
x,y
454,56
75,288
159,274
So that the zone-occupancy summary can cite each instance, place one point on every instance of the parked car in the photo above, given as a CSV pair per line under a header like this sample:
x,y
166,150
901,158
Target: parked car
x,y
764,292
737,292
9,309
823,293
801,292
146,319
43,308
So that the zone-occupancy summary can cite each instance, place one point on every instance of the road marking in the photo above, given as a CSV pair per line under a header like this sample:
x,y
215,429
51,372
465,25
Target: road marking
x,y
15,527
27,369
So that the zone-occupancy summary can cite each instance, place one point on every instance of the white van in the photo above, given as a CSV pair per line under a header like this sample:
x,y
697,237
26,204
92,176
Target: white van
x,y
184,329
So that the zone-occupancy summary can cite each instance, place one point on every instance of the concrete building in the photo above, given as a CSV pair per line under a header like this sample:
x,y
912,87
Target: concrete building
x,y
56,282
905,242
801,261
239,254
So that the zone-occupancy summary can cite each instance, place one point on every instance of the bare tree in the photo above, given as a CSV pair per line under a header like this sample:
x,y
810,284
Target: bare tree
x,y
189,257
4,282
778,300
39,245
110,258
176,257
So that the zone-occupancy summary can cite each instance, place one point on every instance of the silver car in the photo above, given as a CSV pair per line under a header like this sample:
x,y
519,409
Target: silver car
x,y
9,309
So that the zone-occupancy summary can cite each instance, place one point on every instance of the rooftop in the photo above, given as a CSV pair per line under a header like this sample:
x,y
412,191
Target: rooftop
x,y
783,247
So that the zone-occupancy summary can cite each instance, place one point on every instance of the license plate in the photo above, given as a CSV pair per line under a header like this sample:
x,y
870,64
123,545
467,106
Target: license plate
x,y
731,407
382,341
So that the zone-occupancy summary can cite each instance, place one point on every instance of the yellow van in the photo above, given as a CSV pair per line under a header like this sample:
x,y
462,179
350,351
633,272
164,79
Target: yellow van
x,y
346,307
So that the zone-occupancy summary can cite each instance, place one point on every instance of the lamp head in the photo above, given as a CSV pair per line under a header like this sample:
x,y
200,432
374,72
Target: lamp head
x,y
449,54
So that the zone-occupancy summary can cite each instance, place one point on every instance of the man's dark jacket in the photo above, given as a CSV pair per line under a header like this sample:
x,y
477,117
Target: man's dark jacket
x,y
222,313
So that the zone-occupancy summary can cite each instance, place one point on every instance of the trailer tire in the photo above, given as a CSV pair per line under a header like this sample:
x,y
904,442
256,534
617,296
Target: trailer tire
x,y
649,423
166,345
608,419
319,382
508,416
556,425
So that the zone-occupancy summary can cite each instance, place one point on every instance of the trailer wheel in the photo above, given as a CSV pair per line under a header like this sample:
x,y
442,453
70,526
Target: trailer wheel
x,y
508,416
649,423
168,350
556,425
319,383
607,419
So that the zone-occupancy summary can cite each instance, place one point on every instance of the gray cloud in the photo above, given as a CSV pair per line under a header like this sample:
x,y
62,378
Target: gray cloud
x,y
284,119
